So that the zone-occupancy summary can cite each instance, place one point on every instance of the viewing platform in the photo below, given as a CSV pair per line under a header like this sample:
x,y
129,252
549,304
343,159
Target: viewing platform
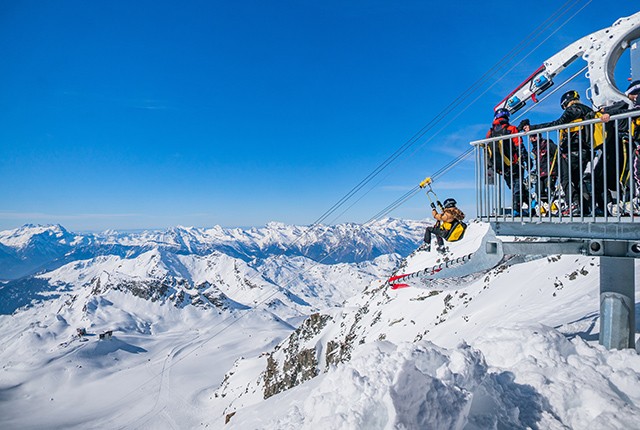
x,y
546,188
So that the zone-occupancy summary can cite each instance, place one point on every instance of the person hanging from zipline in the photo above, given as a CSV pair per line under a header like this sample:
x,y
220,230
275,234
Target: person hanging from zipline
x,y
443,227
448,226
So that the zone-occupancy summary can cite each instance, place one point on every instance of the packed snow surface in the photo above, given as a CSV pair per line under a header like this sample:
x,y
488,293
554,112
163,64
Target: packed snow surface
x,y
513,346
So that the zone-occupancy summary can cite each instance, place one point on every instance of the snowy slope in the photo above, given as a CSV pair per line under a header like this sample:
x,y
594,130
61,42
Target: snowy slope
x,y
514,346
532,325
179,321
155,372
325,285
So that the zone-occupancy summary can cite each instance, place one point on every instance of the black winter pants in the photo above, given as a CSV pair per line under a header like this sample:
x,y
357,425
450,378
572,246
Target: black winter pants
x,y
519,192
435,230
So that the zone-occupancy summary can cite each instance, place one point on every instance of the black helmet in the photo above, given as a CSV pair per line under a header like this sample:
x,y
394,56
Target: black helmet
x,y
449,203
568,97
501,113
634,88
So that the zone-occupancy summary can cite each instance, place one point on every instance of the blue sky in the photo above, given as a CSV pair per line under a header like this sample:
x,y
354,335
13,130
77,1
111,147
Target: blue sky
x,y
149,114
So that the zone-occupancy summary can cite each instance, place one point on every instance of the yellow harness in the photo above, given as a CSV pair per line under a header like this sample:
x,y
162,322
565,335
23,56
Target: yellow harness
x,y
454,231
599,132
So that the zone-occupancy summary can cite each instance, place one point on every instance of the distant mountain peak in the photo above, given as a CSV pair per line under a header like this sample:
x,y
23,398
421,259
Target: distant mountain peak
x,y
21,236
32,248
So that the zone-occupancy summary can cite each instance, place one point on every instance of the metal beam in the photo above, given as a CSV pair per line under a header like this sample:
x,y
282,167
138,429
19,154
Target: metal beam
x,y
595,248
543,248
572,230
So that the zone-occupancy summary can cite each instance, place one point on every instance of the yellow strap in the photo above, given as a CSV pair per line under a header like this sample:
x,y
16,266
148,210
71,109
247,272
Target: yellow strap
x,y
507,162
624,166
599,132
553,163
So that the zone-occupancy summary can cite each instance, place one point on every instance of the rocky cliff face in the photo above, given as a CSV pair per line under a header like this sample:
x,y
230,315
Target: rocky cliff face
x,y
291,363
322,340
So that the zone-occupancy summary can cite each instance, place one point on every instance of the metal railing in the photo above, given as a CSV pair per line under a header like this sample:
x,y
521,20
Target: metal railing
x,y
587,171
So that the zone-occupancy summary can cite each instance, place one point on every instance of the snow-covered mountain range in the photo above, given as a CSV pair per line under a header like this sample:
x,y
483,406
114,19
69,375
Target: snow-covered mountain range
x,y
200,333
33,248
31,255
161,293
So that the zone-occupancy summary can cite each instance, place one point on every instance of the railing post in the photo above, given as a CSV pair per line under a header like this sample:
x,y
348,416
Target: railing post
x,y
569,186
617,302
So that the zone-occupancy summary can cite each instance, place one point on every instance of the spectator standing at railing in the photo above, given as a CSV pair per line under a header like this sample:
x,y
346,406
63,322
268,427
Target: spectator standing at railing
x,y
627,128
545,158
574,147
508,157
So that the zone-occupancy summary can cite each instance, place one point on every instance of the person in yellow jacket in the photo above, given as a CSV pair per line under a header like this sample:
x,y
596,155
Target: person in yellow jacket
x,y
450,213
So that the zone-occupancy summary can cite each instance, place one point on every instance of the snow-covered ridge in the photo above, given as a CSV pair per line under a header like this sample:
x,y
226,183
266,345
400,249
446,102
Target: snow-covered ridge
x,y
26,235
189,266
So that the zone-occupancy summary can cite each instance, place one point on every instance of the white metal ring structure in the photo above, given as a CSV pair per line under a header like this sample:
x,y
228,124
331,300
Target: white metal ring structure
x,y
601,50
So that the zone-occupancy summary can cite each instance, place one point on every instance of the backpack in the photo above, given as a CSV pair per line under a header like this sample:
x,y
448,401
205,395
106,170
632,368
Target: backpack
x,y
455,232
577,138
504,156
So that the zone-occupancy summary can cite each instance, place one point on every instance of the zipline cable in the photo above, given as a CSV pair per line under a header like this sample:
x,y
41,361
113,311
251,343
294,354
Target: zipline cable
x,y
516,50
362,183
447,167
404,198
415,190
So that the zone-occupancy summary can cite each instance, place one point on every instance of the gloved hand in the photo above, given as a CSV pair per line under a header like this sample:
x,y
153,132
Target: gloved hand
x,y
523,123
